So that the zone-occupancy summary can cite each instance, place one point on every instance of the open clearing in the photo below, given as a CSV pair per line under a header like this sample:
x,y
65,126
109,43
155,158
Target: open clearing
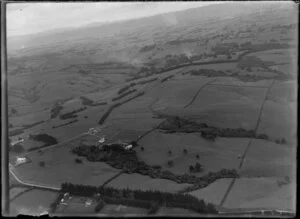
x,y
137,181
214,156
261,193
60,167
214,192
33,202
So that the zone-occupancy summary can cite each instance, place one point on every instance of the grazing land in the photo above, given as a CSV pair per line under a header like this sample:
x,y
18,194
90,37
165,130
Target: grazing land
x,y
159,115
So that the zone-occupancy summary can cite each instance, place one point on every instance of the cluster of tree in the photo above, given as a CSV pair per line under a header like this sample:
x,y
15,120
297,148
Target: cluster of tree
x,y
225,48
166,78
124,95
33,124
16,132
178,41
195,169
138,198
17,148
47,139
56,110
207,72
176,124
68,123
147,81
108,112
147,48
281,141
99,206
72,114
116,156
126,88
77,160
56,202
175,60
262,46
13,111
86,101
42,163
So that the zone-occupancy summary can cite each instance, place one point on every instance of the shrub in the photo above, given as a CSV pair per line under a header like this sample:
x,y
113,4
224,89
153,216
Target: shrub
x,y
170,152
185,151
263,136
17,148
192,169
283,141
198,167
85,117
99,206
77,160
42,163
142,148
154,207
49,140
197,156
170,163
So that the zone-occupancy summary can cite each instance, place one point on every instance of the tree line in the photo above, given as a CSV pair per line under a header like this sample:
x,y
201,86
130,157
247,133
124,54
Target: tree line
x,y
149,199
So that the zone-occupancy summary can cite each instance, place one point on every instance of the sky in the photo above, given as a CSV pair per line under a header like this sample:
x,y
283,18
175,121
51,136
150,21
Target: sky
x,y
31,18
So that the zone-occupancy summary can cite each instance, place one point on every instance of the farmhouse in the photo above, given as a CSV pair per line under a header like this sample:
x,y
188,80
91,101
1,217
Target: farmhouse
x,y
128,147
17,141
21,160
88,202
102,140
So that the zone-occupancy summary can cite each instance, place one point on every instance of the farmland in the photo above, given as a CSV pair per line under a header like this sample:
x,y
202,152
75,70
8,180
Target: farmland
x,y
208,106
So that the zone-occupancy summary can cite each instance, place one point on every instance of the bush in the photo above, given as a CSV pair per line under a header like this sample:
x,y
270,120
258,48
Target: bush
x,y
17,148
49,140
77,160
154,207
283,141
99,206
198,167
197,156
192,169
170,152
42,163
185,151
170,163
142,148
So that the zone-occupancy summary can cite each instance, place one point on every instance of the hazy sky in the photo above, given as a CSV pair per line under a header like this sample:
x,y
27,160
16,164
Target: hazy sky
x,y
28,18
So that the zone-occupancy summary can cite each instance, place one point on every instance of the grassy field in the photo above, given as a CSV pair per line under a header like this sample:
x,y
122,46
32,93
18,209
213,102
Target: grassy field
x,y
175,212
279,114
33,202
75,205
261,193
268,159
60,166
137,181
228,107
121,210
214,192
223,153
15,191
